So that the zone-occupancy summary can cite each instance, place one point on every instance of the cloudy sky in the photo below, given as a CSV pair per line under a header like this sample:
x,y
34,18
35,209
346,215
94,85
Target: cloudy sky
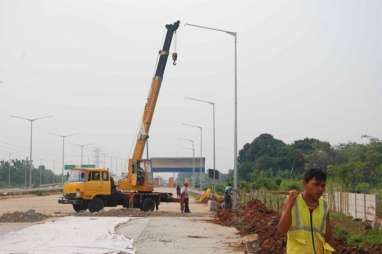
x,y
305,69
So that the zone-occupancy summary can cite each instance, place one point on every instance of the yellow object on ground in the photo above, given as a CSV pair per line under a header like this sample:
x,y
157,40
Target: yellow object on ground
x,y
207,195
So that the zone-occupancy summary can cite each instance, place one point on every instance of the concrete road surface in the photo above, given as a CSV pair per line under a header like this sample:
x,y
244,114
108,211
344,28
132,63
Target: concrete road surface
x,y
175,235
171,233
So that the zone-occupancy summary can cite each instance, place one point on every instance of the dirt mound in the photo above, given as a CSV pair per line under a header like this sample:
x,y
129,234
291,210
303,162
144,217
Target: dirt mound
x,y
28,216
255,218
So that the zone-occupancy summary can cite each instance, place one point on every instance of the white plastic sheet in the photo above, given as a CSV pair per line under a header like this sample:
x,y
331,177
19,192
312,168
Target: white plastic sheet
x,y
69,235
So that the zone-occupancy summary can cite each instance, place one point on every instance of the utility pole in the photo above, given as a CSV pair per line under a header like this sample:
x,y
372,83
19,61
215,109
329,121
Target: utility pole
x,y
31,120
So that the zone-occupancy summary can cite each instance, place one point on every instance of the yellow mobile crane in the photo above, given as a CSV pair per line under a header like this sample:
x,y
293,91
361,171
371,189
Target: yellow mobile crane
x,y
138,179
94,189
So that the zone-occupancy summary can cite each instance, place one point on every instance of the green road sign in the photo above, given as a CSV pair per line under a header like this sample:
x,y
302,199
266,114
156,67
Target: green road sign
x,y
69,167
88,166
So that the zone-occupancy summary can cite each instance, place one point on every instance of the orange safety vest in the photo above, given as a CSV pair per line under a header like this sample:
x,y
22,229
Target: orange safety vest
x,y
306,234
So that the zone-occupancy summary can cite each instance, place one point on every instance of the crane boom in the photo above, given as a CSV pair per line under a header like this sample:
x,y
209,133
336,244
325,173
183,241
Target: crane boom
x,y
137,177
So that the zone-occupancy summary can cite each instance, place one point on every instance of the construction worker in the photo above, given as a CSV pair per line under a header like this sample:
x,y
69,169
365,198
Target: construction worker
x,y
305,217
184,197
177,191
228,197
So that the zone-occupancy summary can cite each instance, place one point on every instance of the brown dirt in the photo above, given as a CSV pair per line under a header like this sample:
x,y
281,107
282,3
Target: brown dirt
x,y
28,216
255,218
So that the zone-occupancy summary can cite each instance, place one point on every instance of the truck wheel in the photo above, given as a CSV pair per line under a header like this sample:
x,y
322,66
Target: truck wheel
x,y
95,205
79,207
148,204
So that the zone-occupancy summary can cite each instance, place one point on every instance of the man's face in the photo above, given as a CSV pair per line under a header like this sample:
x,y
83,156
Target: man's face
x,y
315,188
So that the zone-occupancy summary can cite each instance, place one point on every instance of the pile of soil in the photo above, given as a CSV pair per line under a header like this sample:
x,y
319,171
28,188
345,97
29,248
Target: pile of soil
x,y
255,218
28,216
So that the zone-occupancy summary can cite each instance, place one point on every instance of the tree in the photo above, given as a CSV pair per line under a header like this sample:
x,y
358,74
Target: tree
x,y
245,170
19,171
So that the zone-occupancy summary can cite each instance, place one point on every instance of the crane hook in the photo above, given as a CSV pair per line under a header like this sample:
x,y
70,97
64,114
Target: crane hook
x,y
174,58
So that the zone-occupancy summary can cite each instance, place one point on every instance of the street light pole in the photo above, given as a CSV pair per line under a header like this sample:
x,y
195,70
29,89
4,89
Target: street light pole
x,y
31,120
213,134
201,150
82,146
9,170
234,34
63,154
193,160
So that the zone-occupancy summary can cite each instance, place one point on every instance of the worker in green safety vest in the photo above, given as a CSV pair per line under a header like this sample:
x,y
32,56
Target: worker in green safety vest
x,y
305,217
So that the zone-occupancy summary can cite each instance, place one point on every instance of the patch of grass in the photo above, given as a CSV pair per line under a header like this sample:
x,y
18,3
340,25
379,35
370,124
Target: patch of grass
x,y
340,233
346,223
372,237
354,232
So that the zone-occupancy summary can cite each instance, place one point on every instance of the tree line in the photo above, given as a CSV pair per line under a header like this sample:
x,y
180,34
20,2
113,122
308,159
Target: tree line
x,y
273,164
16,172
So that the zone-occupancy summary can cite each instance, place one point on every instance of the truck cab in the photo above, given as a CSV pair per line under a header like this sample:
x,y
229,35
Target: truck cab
x,y
89,188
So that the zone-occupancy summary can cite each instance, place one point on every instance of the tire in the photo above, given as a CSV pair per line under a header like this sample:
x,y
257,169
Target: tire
x,y
95,205
148,204
79,207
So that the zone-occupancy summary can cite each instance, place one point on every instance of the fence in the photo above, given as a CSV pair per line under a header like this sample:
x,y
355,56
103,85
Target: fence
x,y
357,205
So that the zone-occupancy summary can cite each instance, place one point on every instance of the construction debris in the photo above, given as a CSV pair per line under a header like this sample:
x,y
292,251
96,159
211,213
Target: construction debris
x,y
28,216
255,218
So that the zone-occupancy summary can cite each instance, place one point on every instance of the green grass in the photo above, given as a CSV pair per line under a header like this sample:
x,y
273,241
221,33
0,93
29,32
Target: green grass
x,y
372,237
354,232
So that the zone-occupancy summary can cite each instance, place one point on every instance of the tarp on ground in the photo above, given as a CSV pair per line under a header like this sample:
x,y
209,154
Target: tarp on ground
x,y
69,235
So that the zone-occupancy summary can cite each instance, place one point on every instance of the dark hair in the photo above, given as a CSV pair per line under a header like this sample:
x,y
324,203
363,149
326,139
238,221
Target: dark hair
x,y
315,173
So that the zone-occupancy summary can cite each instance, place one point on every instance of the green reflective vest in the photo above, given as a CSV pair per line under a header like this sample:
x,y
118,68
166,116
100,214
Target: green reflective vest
x,y
307,231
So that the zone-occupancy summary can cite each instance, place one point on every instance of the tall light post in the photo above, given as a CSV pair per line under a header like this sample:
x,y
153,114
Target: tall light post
x,y
82,146
234,34
213,134
104,159
201,148
31,120
193,159
63,153
9,169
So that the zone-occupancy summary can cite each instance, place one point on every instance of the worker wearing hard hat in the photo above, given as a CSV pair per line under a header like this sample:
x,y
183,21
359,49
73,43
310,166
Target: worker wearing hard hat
x,y
305,217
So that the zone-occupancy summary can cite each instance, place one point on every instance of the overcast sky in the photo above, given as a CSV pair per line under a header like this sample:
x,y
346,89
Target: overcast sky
x,y
305,69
